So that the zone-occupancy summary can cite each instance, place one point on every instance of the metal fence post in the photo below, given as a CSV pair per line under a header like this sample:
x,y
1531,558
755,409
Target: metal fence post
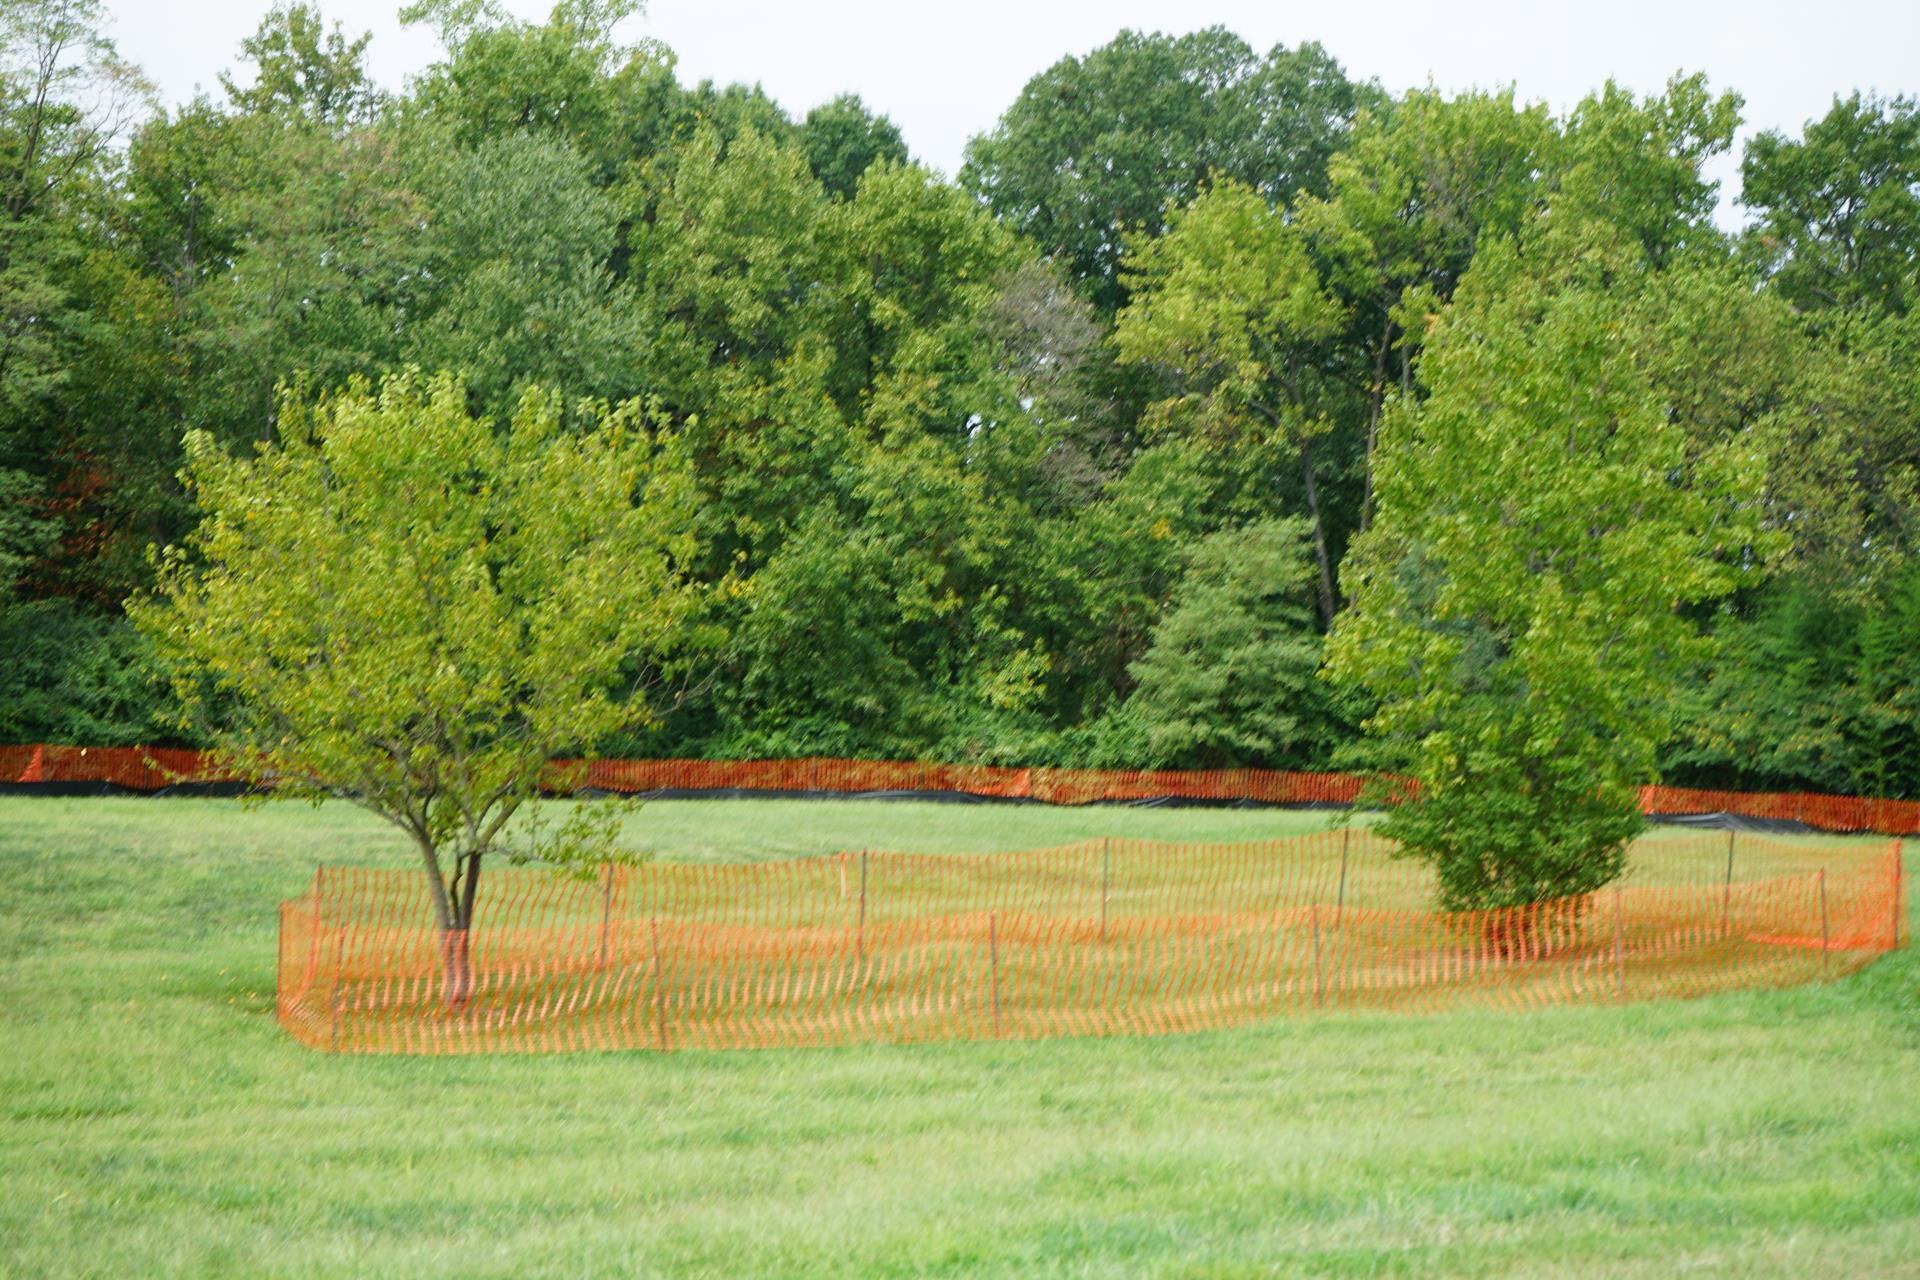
x,y
1340,899
1726,894
993,959
1899,883
1106,881
1826,953
606,909
1619,947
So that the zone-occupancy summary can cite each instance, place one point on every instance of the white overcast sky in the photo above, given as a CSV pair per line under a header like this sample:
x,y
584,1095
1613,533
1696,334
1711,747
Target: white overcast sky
x,y
945,71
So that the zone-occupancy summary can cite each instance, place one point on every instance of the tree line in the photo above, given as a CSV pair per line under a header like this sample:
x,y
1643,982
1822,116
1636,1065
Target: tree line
x,y
1212,370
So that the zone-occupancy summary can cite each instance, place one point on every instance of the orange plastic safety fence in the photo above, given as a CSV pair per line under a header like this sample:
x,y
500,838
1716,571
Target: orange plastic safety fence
x,y
151,768
1102,937
1054,786
1828,813
135,768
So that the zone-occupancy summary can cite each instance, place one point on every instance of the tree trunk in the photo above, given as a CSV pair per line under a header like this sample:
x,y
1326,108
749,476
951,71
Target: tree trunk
x,y
1373,422
456,944
452,918
456,968
1319,532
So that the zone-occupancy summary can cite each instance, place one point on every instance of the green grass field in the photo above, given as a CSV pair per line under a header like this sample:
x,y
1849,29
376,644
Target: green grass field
x,y
158,1123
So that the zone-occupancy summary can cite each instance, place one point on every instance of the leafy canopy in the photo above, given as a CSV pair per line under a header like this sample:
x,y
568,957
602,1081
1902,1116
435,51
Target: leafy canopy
x,y
1229,302
1517,609
406,606
1100,148
1230,678
1838,209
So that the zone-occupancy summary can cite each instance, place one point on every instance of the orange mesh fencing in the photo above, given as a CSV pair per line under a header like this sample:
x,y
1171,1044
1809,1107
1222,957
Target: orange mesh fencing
x,y
1824,812
135,768
1052,786
1098,938
152,768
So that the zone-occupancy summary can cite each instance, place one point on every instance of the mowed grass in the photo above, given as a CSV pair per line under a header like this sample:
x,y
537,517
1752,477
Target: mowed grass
x,y
157,1122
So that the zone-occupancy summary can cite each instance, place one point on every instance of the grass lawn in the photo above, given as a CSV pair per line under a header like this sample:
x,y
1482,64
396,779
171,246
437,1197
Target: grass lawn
x,y
158,1123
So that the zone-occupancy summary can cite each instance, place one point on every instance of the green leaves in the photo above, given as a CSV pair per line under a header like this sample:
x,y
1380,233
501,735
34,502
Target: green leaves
x,y
1101,149
1230,677
301,67
842,140
1545,519
1229,298
416,610
1229,301
1003,460
522,293
1839,208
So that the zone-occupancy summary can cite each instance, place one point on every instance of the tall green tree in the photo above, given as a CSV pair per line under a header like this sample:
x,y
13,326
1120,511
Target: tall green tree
x,y
1097,149
1637,164
521,291
1781,704
1519,606
842,140
1409,199
1837,211
67,100
1230,302
302,67
1844,473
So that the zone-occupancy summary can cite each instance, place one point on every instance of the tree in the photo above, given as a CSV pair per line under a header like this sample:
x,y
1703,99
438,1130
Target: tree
x,y
1809,687
328,255
1845,463
521,292
1045,338
1773,707
1409,198
75,674
25,535
1886,735
842,140
305,69
1097,149
1544,520
1838,212
504,74
66,100
1230,679
403,606
1229,300
1636,165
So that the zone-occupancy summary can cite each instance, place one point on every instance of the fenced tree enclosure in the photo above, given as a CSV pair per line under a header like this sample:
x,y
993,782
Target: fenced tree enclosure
x,y
1102,937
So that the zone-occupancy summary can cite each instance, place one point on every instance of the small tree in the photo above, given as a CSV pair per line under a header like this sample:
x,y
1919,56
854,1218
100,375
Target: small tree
x,y
405,607
1230,677
1545,519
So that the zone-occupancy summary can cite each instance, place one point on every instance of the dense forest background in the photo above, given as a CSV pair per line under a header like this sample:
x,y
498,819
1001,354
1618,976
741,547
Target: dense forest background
x,y
1054,462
